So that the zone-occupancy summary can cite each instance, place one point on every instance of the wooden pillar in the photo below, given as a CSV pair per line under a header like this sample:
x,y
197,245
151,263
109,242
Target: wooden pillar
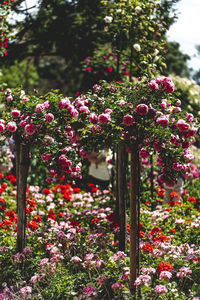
x,y
134,197
22,173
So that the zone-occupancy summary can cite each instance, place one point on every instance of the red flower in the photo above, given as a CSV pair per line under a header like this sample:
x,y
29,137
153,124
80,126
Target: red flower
x,y
88,69
60,214
174,195
76,190
192,199
161,194
91,185
148,248
128,227
2,200
94,189
196,259
95,220
126,73
141,233
37,219
164,266
33,225
46,191
161,238
154,230
75,223
173,231
109,70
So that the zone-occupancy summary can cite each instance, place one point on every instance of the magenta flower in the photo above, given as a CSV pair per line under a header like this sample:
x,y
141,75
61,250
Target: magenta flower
x,y
93,118
39,108
117,286
104,118
128,120
30,129
182,125
2,127
144,153
49,117
161,289
11,126
153,85
142,109
162,121
90,291
15,113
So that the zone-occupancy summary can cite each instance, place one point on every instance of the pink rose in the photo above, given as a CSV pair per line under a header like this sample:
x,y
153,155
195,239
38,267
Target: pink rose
x,y
39,108
2,127
162,121
46,157
153,85
182,125
49,117
30,129
15,113
168,85
11,126
128,120
144,153
63,103
104,118
84,109
142,109
93,118
190,117
157,146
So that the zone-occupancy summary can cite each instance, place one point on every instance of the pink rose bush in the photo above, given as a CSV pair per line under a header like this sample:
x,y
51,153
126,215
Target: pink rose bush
x,y
147,113
44,122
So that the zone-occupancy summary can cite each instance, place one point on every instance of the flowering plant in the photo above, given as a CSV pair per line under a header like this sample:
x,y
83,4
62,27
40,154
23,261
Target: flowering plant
x,y
148,113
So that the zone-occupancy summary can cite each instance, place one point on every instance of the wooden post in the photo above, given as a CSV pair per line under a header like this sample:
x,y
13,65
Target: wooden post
x,y
22,173
134,195
122,162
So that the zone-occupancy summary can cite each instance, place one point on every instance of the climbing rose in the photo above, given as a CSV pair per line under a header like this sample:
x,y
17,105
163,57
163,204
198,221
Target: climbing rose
x,y
30,129
162,121
49,117
142,109
182,125
128,120
15,113
104,118
144,153
12,127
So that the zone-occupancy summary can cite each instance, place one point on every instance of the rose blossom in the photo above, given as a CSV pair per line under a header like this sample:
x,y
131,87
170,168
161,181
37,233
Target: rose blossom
x,y
49,117
15,113
11,126
93,118
142,109
2,127
128,120
162,121
104,118
39,108
144,153
108,19
182,125
90,291
30,129
153,85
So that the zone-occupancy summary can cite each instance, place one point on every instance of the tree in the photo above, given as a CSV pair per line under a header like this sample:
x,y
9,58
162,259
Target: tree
x,y
176,61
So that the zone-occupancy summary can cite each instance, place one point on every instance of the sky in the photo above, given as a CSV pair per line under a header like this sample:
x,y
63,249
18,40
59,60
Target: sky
x,y
186,30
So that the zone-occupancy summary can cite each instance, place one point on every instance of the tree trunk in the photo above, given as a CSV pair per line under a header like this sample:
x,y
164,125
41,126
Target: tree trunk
x,y
134,196
22,173
122,162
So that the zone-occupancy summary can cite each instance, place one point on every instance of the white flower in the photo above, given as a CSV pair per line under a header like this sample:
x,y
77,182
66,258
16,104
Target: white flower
x,y
118,11
108,19
137,47
156,51
138,9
